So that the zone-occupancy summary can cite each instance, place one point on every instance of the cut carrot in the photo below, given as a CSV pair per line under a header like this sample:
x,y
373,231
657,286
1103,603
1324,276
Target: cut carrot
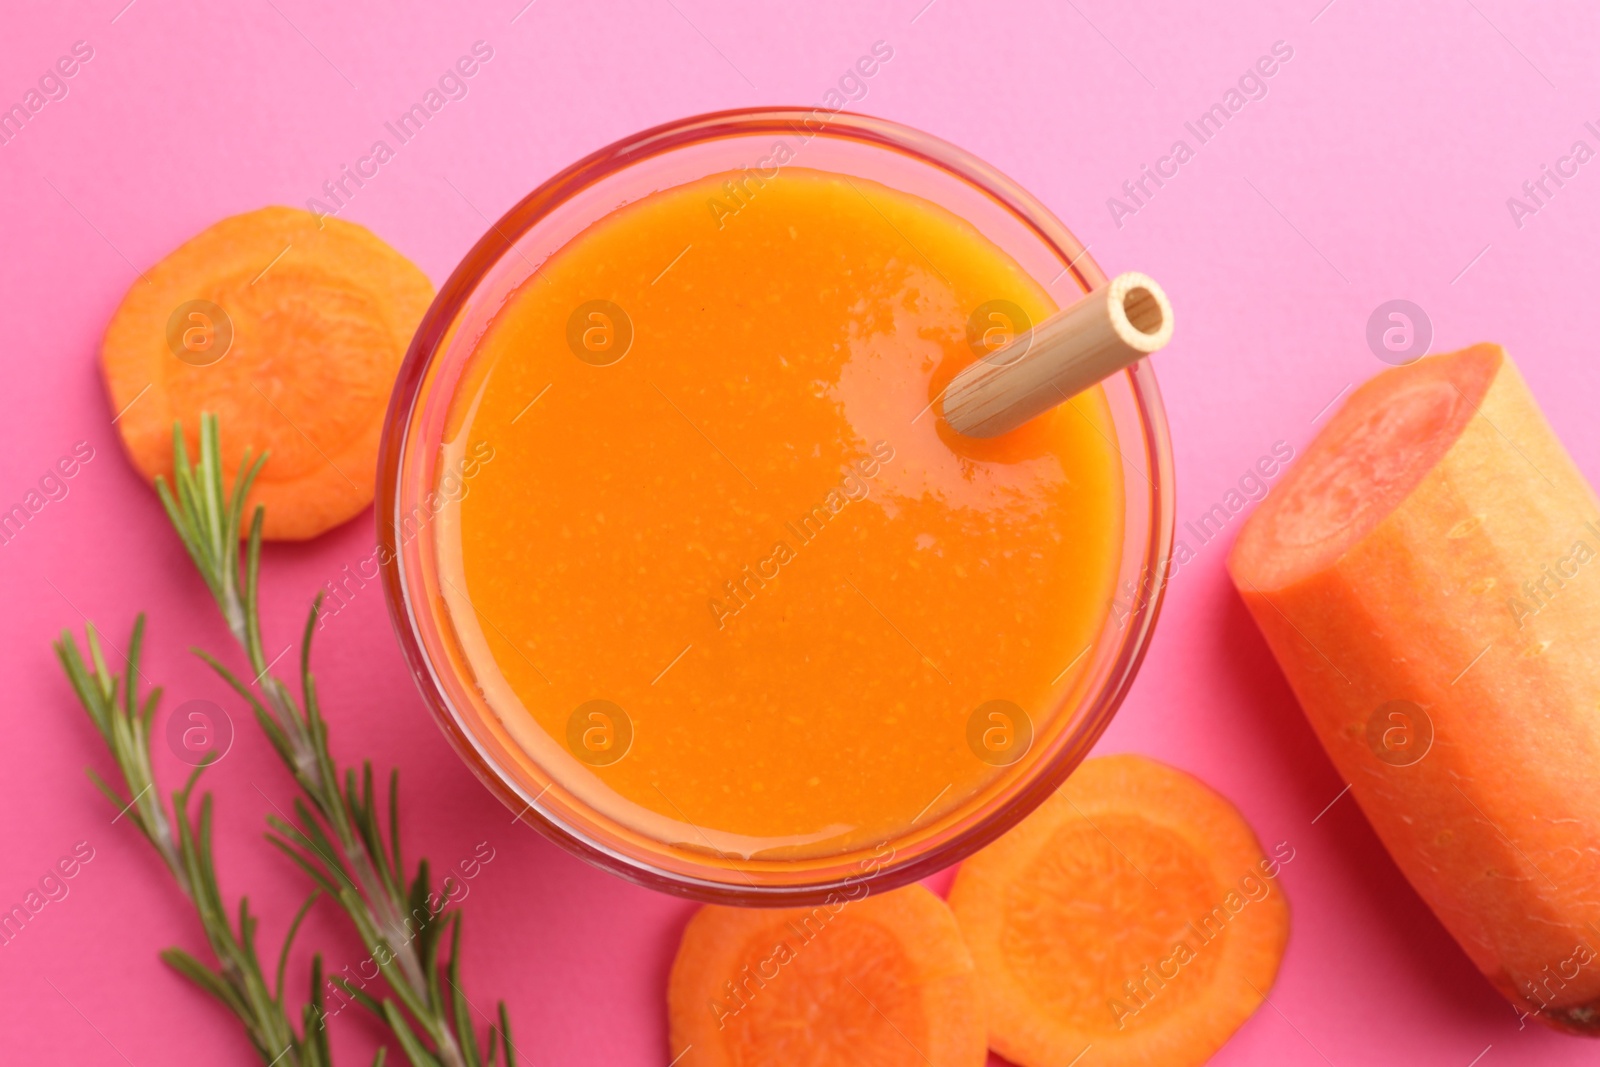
x,y
291,331
879,980
1427,578
1133,912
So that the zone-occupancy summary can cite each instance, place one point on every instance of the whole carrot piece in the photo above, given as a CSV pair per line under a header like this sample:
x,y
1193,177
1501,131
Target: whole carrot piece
x,y
1428,578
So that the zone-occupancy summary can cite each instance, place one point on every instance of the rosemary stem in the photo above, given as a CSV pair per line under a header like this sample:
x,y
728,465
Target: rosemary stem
x,y
337,836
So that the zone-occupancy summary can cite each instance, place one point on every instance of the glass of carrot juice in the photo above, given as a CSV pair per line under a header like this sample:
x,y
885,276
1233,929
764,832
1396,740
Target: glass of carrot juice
x,y
684,559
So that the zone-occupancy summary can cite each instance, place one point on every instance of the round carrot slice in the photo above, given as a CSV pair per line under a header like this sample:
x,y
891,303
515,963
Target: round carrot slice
x,y
290,331
880,980
1133,912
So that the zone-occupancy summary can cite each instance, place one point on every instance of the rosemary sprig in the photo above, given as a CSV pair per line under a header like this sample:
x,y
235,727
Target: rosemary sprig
x,y
337,836
184,844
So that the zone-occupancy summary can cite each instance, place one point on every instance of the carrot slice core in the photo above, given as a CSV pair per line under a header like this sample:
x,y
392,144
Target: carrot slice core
x,y
1079,887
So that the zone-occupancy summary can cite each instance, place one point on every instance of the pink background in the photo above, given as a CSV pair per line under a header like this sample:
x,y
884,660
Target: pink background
x,y
1378,167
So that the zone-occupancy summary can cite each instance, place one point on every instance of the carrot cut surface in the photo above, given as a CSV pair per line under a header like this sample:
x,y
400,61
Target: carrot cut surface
x,y
1428,578
1390,433
880,981
291,331
1133,912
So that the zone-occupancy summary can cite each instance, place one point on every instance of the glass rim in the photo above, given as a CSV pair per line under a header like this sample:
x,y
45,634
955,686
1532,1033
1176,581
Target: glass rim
x,y
1097,706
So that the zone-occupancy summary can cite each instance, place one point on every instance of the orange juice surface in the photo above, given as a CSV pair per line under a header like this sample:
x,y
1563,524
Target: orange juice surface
x,y
726,577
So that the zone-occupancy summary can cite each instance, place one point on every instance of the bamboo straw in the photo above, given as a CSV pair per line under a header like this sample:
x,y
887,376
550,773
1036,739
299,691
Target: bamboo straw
x,y
1073,349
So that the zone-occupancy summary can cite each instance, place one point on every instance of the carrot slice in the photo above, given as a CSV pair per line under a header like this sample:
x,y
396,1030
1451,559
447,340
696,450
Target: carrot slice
x,y
1132,911
299,360
1426,577
880,980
